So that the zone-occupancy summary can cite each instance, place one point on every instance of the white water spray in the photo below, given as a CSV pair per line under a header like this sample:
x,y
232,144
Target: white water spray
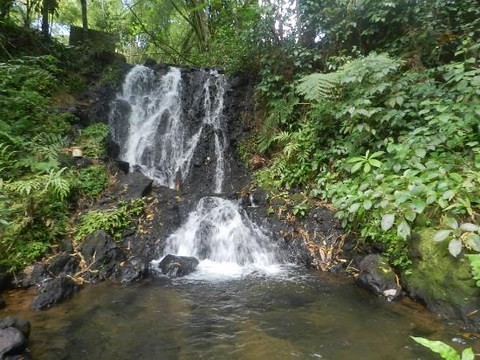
x,y
227,243
159,142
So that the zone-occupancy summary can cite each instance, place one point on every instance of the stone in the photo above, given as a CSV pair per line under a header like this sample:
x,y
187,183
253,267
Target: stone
x,y
63,263
13,337
54,292
102,255
132,186
177,266
378,276
31,275
442,282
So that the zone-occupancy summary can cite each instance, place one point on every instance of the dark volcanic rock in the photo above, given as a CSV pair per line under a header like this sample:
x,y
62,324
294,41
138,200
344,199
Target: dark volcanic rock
x,y
20,324
12,342
63,263
132,186
102,255
31,275
176,266
377,276
54,292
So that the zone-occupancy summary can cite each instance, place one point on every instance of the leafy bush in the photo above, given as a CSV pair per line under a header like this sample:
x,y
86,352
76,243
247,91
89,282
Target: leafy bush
x,y
92,140
91,181
394,150
112,221
444,350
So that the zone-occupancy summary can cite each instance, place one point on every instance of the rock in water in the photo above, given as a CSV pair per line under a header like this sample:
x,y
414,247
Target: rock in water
x,y
54,292
177,266
377,276
13,337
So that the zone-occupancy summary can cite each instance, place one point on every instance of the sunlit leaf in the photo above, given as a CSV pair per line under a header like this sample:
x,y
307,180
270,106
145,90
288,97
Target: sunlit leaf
x,y
452,223
455,247
419,206
445,351
367,204
441,235
468,354
469,227
473,241
403,230
387,221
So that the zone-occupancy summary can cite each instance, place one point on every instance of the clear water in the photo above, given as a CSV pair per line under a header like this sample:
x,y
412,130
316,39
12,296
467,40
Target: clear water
x,y
295,315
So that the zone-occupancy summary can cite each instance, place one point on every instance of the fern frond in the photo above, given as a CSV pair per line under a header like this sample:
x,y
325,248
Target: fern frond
x,y
317,86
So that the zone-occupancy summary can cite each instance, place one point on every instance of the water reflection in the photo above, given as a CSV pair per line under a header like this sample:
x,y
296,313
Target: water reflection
x,y
309,316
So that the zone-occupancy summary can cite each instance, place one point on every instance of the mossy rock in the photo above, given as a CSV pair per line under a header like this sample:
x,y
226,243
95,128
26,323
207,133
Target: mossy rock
x,y
444,283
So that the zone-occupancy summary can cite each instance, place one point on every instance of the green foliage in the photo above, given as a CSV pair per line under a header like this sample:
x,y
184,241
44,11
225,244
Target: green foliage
x,y
112,221
414,136
92,140
475,267
91,181
444,350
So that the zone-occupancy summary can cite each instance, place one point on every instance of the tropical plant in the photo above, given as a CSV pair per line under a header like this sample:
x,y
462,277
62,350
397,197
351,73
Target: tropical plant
x,y
444,350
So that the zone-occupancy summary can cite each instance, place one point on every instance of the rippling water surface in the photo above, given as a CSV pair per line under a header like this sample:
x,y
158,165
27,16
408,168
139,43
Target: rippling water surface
x,y
292,315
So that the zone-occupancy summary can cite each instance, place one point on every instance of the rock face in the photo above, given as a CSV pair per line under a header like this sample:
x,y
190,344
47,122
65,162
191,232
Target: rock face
x,y
13,337
177,266
377,276
443,283
54,292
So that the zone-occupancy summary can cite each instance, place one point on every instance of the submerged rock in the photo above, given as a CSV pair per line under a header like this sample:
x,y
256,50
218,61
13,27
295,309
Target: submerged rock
x,y
177,266
377,276
13,337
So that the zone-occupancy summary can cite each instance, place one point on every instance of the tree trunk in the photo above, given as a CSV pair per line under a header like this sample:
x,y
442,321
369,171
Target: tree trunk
x,y
84,19
45,23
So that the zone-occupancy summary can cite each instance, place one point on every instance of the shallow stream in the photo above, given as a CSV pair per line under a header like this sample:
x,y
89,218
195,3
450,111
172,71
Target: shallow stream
x,y
294,314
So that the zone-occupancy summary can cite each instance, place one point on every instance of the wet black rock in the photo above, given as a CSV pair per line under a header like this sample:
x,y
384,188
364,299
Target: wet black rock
x,y
132,186
102,255
134,269
55,291
377,276
63,263
177,266
14,338
31,275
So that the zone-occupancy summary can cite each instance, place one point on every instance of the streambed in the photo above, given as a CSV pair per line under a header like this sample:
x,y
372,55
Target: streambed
x,y
293,314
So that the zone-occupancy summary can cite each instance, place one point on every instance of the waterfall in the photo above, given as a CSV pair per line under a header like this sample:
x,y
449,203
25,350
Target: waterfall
x,y
169,126
219,233
160,141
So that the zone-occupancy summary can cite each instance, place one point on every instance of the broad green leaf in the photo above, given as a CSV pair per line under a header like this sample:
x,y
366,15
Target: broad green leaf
x,y
452,223
367,168
445,351
355,159
448,195
375,162
367,204
387,221
473,241
403,230
468,354
419,206
469,227
354,207
376,154
421,153
356,167
455,247
441,235
410,215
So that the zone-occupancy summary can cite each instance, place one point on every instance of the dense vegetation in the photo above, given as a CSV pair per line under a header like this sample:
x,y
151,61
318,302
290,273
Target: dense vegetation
x,y
371,105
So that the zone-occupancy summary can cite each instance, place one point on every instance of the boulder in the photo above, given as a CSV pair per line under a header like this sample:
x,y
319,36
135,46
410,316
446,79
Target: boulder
x,y
132,186
442,282
13,337
63,263
54,292
377,276
31,275
177,266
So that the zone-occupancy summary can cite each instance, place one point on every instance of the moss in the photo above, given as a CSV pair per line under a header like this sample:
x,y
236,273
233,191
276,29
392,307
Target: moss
x,y
439,277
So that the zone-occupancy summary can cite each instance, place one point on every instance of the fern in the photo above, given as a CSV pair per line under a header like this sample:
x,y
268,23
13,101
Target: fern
x,y
319,86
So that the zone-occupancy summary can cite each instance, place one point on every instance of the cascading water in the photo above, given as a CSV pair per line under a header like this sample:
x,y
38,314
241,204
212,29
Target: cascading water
x,y
226,241
159,141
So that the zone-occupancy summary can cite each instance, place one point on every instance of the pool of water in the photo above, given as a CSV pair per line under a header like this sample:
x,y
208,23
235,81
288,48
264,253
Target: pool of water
x,y
294,315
